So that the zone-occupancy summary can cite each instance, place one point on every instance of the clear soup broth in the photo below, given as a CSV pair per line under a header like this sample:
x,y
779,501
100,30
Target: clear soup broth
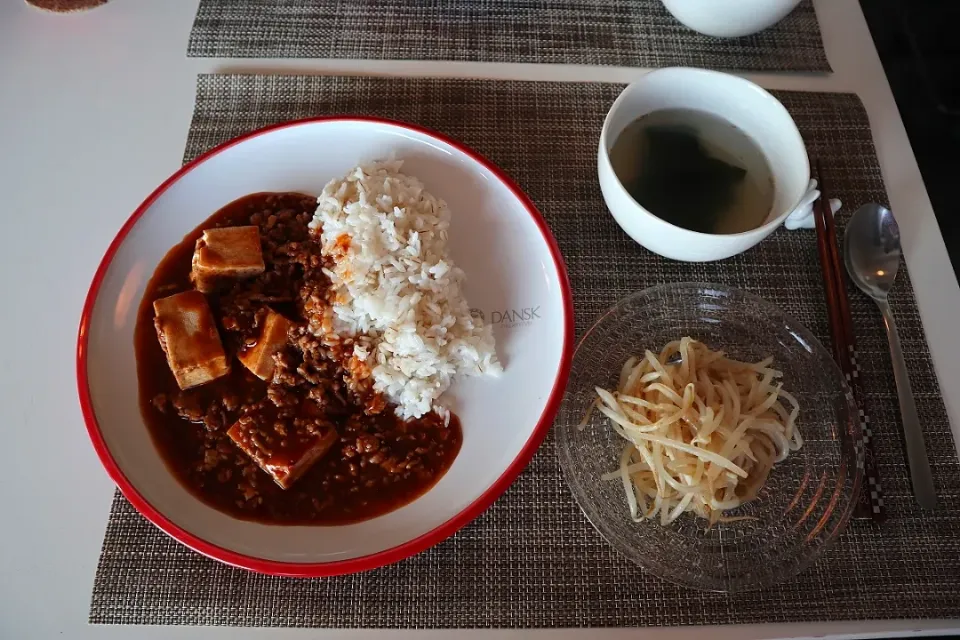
x,y
694,170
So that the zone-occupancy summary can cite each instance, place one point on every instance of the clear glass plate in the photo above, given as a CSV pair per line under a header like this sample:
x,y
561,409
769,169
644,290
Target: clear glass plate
x,y
808,498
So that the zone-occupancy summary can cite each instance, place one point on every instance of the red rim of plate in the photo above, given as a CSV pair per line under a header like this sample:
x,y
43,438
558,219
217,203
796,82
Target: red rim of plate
x,y
374,560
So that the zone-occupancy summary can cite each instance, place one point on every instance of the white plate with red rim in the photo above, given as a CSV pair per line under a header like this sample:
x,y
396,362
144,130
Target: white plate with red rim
x,y
515,276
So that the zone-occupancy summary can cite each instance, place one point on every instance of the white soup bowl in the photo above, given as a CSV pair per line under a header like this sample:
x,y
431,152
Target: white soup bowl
x,y
737,101
730,18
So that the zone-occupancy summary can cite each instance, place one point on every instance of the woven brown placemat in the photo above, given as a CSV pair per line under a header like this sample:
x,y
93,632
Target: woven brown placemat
x,y
532,560
635,33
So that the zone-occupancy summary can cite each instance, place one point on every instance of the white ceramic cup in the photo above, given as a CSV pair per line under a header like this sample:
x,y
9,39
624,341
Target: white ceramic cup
x,y
730,18
741,103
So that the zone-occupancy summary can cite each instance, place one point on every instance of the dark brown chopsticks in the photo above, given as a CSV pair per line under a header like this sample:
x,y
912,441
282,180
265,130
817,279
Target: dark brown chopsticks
x,y
870,501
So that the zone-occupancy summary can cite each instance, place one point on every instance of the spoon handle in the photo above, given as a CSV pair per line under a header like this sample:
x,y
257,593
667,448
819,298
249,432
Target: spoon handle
x,y
920,475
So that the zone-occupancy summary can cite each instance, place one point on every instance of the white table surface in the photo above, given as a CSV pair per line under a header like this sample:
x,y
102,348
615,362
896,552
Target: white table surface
x,y
94,113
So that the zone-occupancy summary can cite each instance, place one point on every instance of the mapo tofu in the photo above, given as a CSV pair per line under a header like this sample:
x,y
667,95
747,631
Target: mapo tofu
x,y
289,434
284,449
188,335
226,253
259,356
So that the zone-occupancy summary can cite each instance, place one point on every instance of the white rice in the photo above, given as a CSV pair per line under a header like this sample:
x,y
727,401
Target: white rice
x,y
397,285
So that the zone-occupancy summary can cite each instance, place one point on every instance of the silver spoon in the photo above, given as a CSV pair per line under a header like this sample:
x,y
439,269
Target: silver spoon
x,y
871,251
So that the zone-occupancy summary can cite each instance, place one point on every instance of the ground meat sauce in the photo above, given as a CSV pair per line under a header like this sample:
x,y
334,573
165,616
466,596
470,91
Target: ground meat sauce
x,y
378,463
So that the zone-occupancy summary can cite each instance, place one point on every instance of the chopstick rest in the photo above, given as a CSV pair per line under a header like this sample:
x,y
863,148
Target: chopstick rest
x,y
802,216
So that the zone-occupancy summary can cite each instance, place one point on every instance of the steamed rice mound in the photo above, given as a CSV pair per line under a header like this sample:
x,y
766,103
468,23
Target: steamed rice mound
x,y
395,284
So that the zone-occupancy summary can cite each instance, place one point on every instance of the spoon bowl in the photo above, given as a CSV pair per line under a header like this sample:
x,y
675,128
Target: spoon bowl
x,y
872,249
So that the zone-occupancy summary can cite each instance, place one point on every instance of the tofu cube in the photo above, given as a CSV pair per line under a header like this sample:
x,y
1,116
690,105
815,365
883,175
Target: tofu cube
x,y
188,335
283,452
273,337
228,252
